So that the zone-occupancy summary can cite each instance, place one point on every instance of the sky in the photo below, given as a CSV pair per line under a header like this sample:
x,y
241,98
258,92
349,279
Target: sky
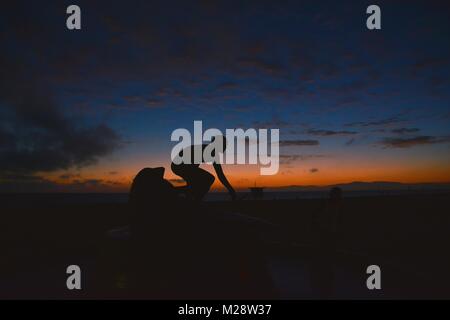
x,y
85,110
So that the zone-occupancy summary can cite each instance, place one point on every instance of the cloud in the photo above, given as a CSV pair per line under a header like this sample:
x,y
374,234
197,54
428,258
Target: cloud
x,y
286,143
273,123
132,99
350,142
141,102
36,134
25,183
154,103
289,158
227,86
411,142
313,170
68,176
318,132
405,130
37,148
382,122
259,64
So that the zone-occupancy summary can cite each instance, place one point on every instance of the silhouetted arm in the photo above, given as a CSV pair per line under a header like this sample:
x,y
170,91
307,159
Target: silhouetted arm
x,y
224,180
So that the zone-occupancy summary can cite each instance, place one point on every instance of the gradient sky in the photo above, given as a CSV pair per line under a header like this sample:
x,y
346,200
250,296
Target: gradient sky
x,y
86,110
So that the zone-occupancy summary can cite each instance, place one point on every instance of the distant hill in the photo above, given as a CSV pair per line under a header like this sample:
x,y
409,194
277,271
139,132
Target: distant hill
x,y
358,185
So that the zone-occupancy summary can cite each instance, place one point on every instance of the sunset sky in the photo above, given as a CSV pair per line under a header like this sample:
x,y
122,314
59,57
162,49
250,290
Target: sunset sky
x,y
84,111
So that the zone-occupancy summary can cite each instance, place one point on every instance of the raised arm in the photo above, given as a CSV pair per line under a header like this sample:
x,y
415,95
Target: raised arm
x,y
224,180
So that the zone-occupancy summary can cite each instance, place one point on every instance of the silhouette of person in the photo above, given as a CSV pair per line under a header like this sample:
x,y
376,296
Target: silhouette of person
x,y
157,264
150,185
199,181
167,256
326,226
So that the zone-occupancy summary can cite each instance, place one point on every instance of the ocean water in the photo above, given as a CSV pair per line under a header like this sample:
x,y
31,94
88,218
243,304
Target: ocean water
x,y
36,199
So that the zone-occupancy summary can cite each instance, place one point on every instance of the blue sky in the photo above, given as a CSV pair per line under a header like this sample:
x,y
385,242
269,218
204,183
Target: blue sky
x,y
140,69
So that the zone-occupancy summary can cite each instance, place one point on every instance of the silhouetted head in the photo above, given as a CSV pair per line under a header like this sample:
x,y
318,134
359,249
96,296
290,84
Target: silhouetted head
x,y
149,186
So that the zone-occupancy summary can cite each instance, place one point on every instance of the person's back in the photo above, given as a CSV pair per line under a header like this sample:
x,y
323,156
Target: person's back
x,y
186,164
151,202
150,196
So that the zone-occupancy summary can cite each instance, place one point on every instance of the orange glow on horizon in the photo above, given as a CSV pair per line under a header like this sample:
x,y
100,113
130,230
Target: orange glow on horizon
x,y
118,179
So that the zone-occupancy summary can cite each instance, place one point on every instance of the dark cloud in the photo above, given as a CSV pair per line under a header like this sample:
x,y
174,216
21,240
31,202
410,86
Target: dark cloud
x,y
36,134
414,141
67,176
227,86
286,143
382,122
258,64
405,130
140,102
274,123
141,45
346,101
289,158
350,142
313,170
24,183
319,132
37,148
133,99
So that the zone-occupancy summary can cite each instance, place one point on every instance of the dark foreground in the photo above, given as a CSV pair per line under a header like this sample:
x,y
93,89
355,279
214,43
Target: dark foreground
x,y
407,236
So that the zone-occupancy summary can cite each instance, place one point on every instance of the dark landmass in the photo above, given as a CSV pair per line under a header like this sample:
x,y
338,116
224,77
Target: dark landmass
x,y
407,236
370,186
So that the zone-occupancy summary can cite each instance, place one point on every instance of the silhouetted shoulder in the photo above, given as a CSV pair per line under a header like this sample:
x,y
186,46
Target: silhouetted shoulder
x,y
149,186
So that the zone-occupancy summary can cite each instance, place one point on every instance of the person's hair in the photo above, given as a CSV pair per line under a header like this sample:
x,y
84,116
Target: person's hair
x,y
150,185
